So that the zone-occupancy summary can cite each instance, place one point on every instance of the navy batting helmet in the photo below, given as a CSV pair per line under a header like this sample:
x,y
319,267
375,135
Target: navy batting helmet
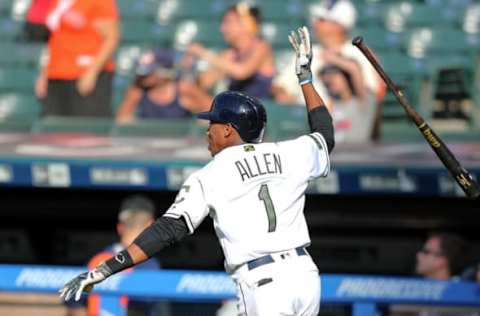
x,y
246,114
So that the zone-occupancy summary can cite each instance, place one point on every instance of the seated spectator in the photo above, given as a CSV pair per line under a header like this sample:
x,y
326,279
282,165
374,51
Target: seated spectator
x,y
136,213
247,64
442,256
331,22
154,92
352,111
35,28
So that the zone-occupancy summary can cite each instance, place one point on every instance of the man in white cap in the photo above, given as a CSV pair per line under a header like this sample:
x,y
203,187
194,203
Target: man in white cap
x,y
332,21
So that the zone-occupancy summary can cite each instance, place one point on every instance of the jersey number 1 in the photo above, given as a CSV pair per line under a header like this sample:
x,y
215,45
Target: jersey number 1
x,y
264,195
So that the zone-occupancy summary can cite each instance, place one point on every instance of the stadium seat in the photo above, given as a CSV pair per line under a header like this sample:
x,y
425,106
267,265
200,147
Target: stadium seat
x,y
370,14
169,11
288,11
381,40
26,54
10,29
126,57
277,34
177,128
18,112
19,80
407,73
61,124
395,131
205,32
285,121
424,42
141,10
404,15
145,32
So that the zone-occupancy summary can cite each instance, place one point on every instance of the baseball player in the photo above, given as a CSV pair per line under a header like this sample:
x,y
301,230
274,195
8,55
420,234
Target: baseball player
x,y
255,193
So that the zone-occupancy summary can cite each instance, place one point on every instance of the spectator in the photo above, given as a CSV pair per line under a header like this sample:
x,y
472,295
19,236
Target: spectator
x,y
442,256
247,64
35,28
154,93
344,77
136,213
77,80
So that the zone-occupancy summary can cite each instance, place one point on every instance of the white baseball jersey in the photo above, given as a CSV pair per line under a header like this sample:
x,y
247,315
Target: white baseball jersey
x,y
255,194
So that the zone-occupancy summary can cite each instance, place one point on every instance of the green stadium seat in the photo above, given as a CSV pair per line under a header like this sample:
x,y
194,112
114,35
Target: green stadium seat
x,y
26,54
200,10
407,73
395,131
379,39
370,13
404,15
126,57
18,112
176,128
277,34
18,80
285,121
137,9
10,29
285,11
145,32
205,32
62,124
437,41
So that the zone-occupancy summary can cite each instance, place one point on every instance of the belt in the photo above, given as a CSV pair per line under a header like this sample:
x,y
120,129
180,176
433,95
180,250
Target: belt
x,y
255,263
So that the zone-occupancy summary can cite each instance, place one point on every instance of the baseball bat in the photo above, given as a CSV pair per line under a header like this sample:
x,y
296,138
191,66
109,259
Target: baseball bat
x,y
460,174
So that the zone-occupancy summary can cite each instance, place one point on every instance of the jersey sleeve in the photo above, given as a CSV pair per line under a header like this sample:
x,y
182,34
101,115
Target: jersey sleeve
x,y
190,203
311,155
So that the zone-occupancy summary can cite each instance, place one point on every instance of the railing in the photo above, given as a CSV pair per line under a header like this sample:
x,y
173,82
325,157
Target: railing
x,y
364,293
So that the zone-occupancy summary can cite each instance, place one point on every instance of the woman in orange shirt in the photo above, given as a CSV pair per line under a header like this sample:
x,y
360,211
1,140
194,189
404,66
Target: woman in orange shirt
x,y
77,80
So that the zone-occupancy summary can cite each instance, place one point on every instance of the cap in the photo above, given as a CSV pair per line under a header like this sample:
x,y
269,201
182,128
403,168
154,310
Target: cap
x,y
152,59
340,11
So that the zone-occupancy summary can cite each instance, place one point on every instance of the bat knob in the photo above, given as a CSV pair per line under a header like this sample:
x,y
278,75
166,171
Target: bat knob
x,y
357,40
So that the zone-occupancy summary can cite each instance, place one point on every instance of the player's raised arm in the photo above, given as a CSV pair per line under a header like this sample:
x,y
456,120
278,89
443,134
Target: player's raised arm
x,y
318,115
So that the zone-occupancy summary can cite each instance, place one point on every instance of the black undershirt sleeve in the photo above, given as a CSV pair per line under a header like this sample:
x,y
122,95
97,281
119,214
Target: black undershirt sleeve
x,y
320,121
162,233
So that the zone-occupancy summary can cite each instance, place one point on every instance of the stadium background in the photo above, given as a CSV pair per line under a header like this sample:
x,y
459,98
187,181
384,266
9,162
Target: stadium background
x,y
374,226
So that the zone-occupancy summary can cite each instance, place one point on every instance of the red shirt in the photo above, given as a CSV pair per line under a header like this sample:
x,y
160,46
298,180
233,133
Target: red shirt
x,y
37,13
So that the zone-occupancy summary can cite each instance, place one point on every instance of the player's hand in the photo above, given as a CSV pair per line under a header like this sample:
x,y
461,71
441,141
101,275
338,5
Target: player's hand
x,y
83,282
300,41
